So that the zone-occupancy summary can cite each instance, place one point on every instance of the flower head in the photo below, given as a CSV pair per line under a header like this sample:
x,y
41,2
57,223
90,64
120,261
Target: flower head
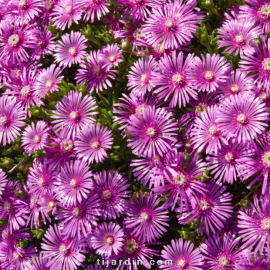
x,y
146,218
242,117
65,12
92,142
152,132
12,115
35,137
73,183
182,255
172,24
73,114
209,72
112,189
71,49
3,181
108,239
62,252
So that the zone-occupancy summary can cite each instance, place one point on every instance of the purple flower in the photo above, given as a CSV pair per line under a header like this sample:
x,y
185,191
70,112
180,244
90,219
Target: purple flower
x,y
227,163
172,24
107,239
257,11
71,49
35,137
47,81
181,255
94,8
206,134
209,72
146,218
236,36
41,178
46,11
3,181
139,76
13,208
12,117
134,249
62,252
153,132
180,183
257,65
212,208
65,12
73,114
236,83
26,10
94,74
92,142
221,254
242,117
97,267
110,56
39,263
174,80
112,189
20,258
79,218
254,225
73,183
43,44
14,40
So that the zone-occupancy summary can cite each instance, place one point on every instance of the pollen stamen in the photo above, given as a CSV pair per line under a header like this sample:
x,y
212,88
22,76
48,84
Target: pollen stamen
x,y
13,40
234,88
63,248
265,223
241,118
3,120
131,246
239,38
25,91
209,75
266,64
204,205
182,263
229,156
151,132
106,194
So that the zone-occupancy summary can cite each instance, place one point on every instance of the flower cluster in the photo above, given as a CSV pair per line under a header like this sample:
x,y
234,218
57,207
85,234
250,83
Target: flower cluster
x,y
131,132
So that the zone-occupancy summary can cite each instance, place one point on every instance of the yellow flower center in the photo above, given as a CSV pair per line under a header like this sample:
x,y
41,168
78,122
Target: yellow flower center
x,y
73,115
264,11
13,40
223,261
72,51
73,182
37,139
112,58
106,194
239,38
234,88
3,120
68,145
144,216
40,180
25,90
176,78
109,240
229,157
241,118
76,211
21,3
204,205
96,69
68,9
7,206
95,145
209,75
131,246
266,159
263,96
151,132
182,263
265,223
266,64
180,179
49,84
169,23
51,204
15,255
213,129
63,248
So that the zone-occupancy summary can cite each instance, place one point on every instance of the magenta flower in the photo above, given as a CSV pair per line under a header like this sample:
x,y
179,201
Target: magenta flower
x,y
14,40
257,65
107,239
39,263
146,218
242,117
221,254
62,252
259,163
110,56
73,183
174,80
153,132
13,208
140,75
12,117
182,255
212,208
41,178
94,8
26,10
71,49
92,142
248,262
46,11
134,249
257,11
112,190
3,181
227,163
254,225
65,12
79,218
206,134
172,24
236,36
35,137
97,267
43,44
236,83
180,184
209,72
73,114
47,81
97,78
